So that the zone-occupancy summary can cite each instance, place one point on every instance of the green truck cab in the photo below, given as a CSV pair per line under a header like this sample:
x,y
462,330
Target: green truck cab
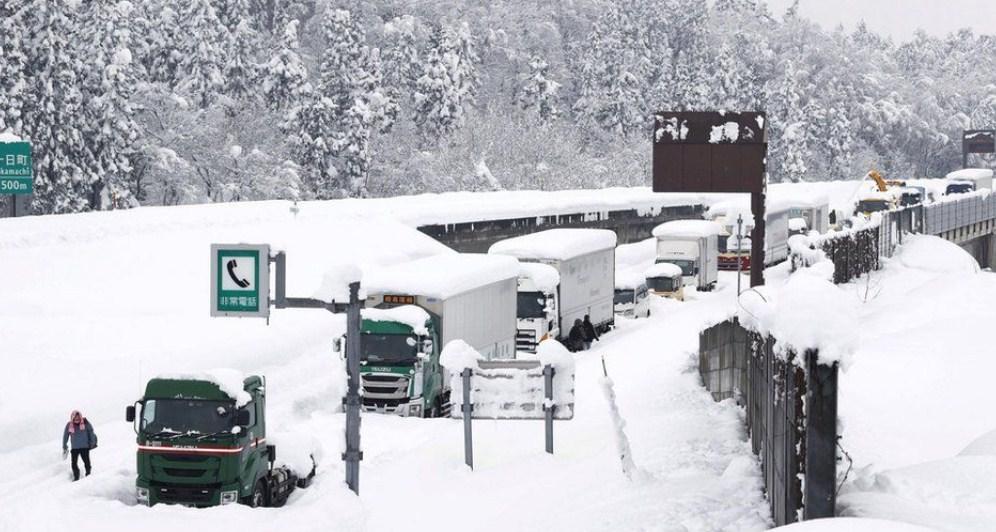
x,y
399,368
200,445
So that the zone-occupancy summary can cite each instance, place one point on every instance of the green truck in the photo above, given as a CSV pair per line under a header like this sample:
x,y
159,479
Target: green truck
x,y
202,442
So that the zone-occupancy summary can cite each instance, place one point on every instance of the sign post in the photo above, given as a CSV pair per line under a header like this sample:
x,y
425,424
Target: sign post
x,y
977,141
715,152
240,287
16,175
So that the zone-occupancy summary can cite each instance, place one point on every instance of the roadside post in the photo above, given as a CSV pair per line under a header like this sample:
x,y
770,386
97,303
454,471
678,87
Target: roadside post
x,y
16,175
740,235
240,287
468,410
548,405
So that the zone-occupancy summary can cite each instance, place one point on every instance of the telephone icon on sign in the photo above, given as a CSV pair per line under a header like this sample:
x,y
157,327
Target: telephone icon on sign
x,y
243,283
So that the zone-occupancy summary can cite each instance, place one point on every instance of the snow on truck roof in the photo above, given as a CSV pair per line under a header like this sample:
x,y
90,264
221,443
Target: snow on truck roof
x,y
441,276
410,315
545,277
629,279
688,228
663,269
556,244
970,174
231,382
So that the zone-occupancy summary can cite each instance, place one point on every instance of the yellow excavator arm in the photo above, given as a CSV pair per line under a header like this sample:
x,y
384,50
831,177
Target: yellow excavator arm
x,y
879,182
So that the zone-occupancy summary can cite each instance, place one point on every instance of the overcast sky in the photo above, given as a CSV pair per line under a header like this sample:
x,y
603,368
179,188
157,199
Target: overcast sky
x,y
898,18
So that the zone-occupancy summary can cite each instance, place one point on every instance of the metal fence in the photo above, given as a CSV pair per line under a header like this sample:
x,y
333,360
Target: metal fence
x,y
950,215
791,407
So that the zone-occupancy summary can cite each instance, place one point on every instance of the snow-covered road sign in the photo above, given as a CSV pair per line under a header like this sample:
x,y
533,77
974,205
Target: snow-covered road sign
x,y
16,176
240,280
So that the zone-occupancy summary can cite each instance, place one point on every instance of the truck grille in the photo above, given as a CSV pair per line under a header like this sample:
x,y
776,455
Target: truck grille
x,y
384,389
184,494
525,340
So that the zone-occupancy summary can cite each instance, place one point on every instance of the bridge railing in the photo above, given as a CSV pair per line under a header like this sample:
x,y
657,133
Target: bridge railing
x,y
947,216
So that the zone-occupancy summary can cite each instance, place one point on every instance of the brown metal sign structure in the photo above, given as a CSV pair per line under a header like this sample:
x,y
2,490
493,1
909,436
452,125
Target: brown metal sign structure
x,y
977,141
715,152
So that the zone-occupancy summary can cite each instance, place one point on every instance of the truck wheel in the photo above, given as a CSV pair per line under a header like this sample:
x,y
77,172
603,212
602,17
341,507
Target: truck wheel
x,y
258,497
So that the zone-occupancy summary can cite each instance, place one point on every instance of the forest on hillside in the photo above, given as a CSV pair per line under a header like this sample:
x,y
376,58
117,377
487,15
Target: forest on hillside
x,y
161,102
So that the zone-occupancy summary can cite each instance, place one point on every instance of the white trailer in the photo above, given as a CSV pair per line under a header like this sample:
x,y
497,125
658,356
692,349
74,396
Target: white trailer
x,y
470,297
692,245
584,260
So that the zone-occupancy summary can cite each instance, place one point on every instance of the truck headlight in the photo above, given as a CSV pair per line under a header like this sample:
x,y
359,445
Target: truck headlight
x,y
142,495
228,497
415,410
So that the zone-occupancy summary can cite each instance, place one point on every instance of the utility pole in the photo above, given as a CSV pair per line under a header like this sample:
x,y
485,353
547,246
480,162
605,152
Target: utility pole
x,y
353,455
740,249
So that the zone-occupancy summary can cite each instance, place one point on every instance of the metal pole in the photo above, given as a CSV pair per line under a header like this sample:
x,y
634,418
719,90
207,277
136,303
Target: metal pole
x,y
548,405
281,277
757,239
468,413
352,456
740,249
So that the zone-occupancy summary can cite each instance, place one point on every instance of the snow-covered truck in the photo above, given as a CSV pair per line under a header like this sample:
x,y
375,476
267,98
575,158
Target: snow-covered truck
x,y
202,442
414,309
692,245
584,260
776,234
665,279
968,180
632,298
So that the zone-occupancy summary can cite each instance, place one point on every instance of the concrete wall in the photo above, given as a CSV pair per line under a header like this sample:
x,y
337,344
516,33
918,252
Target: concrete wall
x,y
630,226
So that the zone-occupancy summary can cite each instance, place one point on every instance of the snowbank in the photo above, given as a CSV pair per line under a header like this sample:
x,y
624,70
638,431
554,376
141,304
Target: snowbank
x,y
807,312
550,352
662,269
545,278
457,356
556,244
934,254
688,229
410,315
231,382
441,276
797,224
336,281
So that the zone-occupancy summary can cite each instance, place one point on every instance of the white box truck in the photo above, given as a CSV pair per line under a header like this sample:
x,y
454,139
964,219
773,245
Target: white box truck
x,y
584,260
969,179
414,309
692,246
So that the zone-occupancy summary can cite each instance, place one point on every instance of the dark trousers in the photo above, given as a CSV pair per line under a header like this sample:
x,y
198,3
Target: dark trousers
x,y
76,453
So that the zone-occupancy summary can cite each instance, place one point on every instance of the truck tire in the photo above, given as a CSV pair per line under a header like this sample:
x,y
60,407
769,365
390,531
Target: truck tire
x,y
258,497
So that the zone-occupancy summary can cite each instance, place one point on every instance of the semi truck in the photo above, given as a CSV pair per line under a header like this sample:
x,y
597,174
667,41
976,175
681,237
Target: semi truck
x,y
584,260
202,442
691,245
776,234
414,309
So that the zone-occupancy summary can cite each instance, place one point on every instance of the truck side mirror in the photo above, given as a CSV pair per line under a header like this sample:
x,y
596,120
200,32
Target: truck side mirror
x,y
130,414
337,345
427,346
271,453
242,417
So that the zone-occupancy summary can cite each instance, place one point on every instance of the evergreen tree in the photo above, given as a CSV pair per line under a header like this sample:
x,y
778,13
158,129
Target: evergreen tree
x,y
539,93
448,83
161,50
13,62
203,53
284,77
241,71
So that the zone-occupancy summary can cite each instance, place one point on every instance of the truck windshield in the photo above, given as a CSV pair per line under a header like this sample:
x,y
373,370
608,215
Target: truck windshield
x,y
687,266
389,348
623,297
873,205
180,416
531,305
663,284
959,188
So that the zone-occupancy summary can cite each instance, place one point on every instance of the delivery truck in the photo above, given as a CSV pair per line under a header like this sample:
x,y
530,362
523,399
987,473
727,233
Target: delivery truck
x,y
414,309
202,442
584,260
632,297
692,245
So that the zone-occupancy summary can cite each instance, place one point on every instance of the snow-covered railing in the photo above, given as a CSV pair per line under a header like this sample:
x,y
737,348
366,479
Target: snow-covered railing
x,y
790,400
957,211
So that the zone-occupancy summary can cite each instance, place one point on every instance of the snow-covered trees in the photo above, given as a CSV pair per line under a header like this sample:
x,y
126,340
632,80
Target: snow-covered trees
x,y
222,100
332,130
448,82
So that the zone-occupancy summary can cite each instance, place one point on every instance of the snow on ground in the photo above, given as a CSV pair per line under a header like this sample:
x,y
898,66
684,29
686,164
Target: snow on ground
x,y
94,305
